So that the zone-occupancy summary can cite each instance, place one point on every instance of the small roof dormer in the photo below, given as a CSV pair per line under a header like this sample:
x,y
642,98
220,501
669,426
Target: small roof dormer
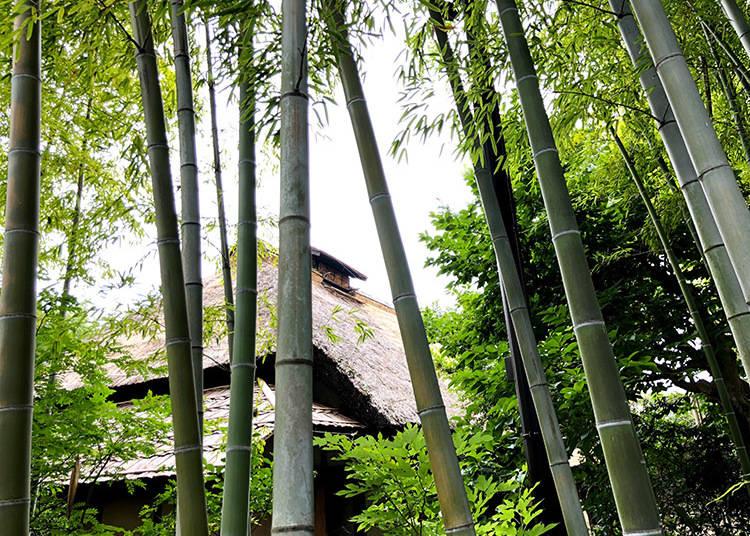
x,y
335,272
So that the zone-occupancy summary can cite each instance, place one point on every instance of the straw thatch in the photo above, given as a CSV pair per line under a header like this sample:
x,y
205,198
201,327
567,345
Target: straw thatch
x,y
360,366
216,402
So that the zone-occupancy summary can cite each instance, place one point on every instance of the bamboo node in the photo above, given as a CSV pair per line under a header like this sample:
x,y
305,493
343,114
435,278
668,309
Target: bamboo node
x,y
355,100
249,364
27,75
545,150
244,448
14,502
504,11
294,361
526,77
702,174
10,316
186,448
563,233
648,532
250,161
662,61
736,315
431,409
404,296
176,340
378,197
247,290
613,423
588,324
459,528
295,93
24,150
17,407
166,241
293,528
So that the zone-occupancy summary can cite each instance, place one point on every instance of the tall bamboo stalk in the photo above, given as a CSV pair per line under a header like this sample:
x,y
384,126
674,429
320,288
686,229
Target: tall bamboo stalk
x,y
634,496
725,400
226,268
711,243
734,59
430,408
191,501
734,107
495,151
18,296
510,280
738,21
191,220
727,204
235,514
293,505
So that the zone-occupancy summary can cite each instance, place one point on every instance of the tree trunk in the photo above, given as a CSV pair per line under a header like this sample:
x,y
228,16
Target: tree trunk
x,y
634,496
293,505
191,500
235,514
446,471
191,220
18,296
226,266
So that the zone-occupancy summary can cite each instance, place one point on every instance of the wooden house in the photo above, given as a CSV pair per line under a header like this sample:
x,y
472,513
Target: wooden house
x,y
361,386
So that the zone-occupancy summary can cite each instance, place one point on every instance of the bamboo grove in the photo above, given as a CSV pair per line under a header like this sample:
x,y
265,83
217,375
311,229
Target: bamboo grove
x,y
575,120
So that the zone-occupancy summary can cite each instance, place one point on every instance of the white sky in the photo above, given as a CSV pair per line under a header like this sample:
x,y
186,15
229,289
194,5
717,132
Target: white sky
x,y
342,222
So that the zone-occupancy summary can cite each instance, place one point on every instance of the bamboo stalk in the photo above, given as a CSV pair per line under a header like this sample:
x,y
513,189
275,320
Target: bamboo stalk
x,y
739,67
510,280
191,501
738,21
734,108
293,505
537,467
707,347
709,160
430,408
226,267
191,221
235,514
631,486
711,243
18,296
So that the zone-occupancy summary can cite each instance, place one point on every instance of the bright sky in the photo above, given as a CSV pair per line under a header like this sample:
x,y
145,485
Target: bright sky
x,y
342,222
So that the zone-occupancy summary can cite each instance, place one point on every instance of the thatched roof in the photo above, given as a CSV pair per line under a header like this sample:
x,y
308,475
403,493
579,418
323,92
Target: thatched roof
x,y
216,404
360,366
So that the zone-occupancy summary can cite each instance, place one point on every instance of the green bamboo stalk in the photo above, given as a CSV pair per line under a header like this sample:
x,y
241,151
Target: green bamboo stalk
x,y
716,176
734,59
711,243
725,400
234,513
18,296
226,268
191,220
557,456
738,21
191,501
631,486
293,505
734,108
430,407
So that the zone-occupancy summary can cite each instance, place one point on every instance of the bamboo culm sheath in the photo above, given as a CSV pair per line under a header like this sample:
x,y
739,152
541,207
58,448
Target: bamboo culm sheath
x,y
191,221
234,512
725,400
293,505
631,485
444,462
711,243
557,456
18,297
725,200
226,267
191,500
